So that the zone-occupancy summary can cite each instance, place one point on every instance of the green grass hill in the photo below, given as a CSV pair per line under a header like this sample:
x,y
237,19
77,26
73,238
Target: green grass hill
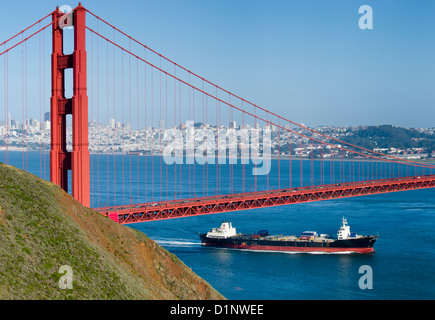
x,y
42,228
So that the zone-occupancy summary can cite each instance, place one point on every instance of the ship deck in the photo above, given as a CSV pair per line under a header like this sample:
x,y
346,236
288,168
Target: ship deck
x,y
281,238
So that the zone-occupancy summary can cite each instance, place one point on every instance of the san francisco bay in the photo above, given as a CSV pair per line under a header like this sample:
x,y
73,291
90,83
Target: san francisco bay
x,y
402,265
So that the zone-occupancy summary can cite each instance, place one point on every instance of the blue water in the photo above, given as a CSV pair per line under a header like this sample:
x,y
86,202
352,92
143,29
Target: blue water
x,y
403,266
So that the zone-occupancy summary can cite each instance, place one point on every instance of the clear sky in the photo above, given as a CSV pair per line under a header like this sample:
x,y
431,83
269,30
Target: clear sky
x,y
306,60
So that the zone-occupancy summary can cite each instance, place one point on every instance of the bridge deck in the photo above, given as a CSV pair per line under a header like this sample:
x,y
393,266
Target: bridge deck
x,y
242,201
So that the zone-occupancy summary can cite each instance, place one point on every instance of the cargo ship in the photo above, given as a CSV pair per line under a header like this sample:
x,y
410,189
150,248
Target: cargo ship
x,y
309,241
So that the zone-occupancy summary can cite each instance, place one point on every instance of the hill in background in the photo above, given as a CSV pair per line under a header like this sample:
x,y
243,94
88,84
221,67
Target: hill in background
x,y
42,228
387,136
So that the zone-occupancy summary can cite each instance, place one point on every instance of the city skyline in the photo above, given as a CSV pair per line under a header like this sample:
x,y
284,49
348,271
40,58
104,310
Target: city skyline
x,y
111,138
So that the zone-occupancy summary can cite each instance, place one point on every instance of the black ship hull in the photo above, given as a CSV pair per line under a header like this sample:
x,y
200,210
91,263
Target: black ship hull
x,y
357,245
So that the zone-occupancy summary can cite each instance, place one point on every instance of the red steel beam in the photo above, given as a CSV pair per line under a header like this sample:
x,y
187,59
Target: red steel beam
x,y
208,205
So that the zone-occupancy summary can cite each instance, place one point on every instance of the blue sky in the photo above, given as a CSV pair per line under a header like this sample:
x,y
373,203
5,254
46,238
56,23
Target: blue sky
x,y
305,60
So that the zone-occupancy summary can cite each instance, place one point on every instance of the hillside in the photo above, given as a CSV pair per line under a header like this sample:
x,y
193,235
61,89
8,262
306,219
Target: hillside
x,y
387,136
42,228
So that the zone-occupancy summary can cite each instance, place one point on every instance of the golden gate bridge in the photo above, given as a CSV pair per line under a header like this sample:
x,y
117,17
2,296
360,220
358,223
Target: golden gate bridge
x,y
155,140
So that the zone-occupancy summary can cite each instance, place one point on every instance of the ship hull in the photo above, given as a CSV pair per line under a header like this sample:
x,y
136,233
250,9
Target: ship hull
x,y
357,245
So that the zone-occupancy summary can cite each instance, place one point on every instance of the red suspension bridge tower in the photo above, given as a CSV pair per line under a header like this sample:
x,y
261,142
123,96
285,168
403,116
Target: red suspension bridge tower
x,y
77,160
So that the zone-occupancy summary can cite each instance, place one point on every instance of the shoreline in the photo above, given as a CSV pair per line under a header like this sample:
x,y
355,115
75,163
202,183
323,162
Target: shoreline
x,y
260,158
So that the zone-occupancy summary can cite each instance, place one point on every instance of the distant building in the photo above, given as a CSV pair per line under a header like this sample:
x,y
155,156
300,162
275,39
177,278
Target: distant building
x,y
112,123
33,123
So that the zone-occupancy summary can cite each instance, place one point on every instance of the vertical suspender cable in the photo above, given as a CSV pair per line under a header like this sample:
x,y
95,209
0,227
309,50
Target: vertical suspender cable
x,y
175,125
166,125
160,128
40,106
98,120
145,128
290,157
122,125
114,117
152,124
129,113
137,130
107,122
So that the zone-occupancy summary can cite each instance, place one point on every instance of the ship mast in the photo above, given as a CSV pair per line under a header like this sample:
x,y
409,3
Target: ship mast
x,y
344,231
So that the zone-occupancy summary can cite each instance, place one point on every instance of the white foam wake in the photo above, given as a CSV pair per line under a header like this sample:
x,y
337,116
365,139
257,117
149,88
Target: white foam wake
x,y
177,243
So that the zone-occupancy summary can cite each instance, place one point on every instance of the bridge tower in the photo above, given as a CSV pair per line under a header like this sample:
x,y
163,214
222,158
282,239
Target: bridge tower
x,y
61,160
